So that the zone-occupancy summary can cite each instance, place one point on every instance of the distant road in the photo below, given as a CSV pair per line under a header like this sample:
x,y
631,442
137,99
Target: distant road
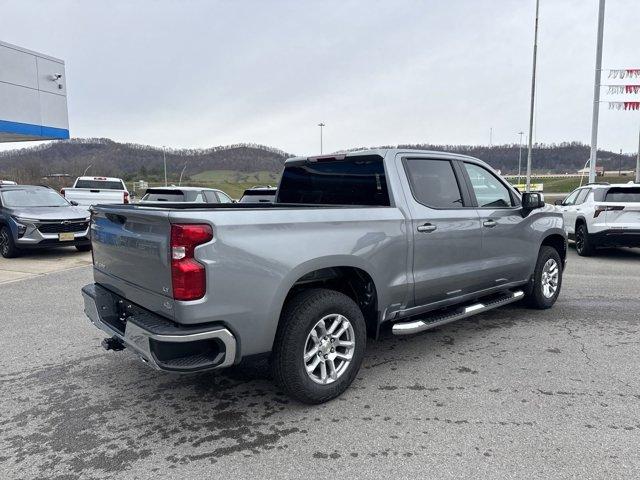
x,y
549,175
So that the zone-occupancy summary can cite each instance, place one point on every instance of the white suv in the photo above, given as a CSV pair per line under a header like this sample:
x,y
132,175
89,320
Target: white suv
x,y
602,215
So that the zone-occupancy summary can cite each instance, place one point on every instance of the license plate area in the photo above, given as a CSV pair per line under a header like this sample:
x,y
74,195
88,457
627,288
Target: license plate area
x,y
66,237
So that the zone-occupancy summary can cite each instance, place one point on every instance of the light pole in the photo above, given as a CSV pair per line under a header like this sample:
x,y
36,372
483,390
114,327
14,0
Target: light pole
x,y
182,173
321,125
533,96
638,161
596,96
164,159
520,157
86,169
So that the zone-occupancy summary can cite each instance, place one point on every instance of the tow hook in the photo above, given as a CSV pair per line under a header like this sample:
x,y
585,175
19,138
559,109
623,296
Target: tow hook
x,y
113,343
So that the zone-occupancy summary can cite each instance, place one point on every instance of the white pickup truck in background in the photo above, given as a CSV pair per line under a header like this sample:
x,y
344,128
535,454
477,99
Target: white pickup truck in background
x,y
88,191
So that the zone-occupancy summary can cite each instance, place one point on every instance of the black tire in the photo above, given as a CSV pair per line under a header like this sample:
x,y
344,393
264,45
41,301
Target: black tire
x,y
299,317
536,297
8,247
584,246
83,248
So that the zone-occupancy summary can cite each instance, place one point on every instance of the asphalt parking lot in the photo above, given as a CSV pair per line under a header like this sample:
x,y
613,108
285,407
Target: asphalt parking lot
x,y
513,393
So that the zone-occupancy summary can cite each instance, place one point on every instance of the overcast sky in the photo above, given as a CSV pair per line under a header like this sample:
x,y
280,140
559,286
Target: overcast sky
x,y
204,73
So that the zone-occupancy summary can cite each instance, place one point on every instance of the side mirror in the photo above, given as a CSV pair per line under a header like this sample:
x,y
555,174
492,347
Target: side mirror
x,y
74,203
532,200
558,202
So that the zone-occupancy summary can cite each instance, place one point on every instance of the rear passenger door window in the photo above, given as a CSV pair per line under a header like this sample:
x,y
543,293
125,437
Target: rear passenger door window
x,y
490,192
434,183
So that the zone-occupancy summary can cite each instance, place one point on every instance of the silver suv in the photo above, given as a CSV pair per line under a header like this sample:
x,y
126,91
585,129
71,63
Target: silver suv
x,y
39,217
602,215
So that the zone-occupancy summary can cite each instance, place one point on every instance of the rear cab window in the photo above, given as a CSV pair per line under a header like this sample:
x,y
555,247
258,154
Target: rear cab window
x,y
163,196
353,180
100,184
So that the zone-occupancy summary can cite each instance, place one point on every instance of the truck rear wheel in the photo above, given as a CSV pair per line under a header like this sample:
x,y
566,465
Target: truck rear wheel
x,y
319,345
547,279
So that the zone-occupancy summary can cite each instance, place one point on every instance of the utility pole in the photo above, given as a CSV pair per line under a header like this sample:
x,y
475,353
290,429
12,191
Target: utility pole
x,y
596,96
520,157
620,164
638,161
533,96
164,158
490,137
321,125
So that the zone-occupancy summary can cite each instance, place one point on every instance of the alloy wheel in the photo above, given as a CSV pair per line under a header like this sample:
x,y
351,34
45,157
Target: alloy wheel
x,y
4,242
550,278
329,349
579,239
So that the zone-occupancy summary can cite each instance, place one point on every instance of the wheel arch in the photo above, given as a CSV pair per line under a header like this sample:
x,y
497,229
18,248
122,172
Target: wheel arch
x,y
580,221
349,275
558,242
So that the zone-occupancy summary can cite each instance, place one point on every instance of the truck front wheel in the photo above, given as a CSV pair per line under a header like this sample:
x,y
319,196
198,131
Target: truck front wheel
x,y
547,279
319,345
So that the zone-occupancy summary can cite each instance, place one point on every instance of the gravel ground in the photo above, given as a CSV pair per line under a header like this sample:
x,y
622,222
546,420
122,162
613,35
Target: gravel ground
x,y
513,393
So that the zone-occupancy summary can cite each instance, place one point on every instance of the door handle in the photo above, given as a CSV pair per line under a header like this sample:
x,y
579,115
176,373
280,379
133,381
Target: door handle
x,y
427,228
489,223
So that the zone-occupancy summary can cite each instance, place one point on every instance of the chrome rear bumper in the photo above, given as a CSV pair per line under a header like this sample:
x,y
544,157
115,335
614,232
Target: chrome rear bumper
x,y
156,340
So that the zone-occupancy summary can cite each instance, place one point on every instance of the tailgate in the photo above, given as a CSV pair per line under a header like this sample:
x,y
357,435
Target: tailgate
x,y
133,245
623,215
86,196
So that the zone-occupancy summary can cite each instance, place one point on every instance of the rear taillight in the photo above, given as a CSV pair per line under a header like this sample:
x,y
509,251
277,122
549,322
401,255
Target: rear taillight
x,y
606,208
188,276
62,192
126,197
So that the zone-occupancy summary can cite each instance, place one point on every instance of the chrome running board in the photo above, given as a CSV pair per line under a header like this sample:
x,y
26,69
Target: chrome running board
x,y
437,319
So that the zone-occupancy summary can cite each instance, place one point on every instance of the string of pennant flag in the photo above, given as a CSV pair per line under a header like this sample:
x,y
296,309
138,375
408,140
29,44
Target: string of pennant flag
x,y
624,73
624,105
620,89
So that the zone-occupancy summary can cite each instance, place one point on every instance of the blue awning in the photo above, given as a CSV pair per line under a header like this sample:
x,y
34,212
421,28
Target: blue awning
x,y
22,132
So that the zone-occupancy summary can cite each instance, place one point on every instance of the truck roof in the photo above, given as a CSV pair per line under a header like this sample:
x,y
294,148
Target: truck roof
x,y
385,151
182,189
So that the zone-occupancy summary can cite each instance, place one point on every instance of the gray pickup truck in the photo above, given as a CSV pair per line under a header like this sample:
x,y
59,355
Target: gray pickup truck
x,y
353,243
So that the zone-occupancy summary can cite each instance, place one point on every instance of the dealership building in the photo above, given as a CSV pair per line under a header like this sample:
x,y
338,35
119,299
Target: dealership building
x,y
33,96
